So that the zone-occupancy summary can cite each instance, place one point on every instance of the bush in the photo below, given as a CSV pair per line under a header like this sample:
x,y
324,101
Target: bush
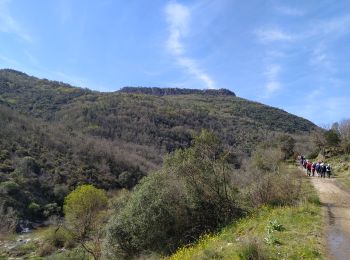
x,y
84,208
34,210
60,192
193,194
74,254
277,189
332,137
59,237
51,209
154,218
46,249
8,219
9,187
252,250
267,181
346,146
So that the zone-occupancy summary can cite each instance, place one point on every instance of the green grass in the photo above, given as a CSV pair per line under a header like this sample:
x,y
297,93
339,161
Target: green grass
x,y
290,232
341,168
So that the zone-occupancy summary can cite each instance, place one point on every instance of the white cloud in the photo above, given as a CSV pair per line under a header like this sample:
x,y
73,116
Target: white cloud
x,y
320,59
272,72
339,24
268,35
272,86
178,17
8,24
291,11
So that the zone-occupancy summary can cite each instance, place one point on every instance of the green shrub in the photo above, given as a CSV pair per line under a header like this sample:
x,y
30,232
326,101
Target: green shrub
x,y
275,225
34,210
77,253
84,210
193,194
252,250
154,218
46,249
51,209
55,238
332,137
9,187
8,219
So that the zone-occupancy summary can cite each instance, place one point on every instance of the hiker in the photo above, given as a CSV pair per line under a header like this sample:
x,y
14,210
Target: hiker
x,y
304,163
317,168
328,170
313,168
308,168
323,170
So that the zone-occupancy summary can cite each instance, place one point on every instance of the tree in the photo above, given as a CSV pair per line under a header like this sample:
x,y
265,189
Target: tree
x,y
8,219
83,208
192,194
332,137
344,131
287,144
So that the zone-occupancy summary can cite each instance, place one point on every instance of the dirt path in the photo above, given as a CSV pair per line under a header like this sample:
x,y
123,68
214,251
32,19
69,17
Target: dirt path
x,y
337,206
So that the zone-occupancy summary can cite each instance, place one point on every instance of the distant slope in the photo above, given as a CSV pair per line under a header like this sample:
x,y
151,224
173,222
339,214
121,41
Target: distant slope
x,y
161,118
54,136
37,97
41,162
176,91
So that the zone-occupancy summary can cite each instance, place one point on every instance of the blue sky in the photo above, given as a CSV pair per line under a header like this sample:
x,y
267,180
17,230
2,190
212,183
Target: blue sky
x,y
294,55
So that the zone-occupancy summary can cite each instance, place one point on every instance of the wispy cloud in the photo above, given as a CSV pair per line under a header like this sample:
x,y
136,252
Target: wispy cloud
x,y
313,42
320,59
288,10
267,35
7,62
272,72
8,23
336,25
178,17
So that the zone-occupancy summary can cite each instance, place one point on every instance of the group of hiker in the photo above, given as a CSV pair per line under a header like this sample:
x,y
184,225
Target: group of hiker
x,y
320,168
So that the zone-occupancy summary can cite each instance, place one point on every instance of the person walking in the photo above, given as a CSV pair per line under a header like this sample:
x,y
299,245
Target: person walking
x,y
323,171
313,169
328,170
317,168
308,168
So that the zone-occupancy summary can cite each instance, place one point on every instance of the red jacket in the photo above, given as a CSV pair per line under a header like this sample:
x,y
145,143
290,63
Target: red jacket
x,y
308,166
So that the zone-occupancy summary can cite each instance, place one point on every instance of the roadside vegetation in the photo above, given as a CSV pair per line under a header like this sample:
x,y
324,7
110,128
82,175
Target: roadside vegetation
x,y
198,191
289,232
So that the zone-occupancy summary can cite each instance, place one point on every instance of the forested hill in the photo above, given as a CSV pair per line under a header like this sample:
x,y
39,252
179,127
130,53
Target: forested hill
x,y
54,136
176,91
163,120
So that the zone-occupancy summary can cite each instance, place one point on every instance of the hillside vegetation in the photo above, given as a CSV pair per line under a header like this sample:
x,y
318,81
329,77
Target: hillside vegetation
x,y
57,136
176,163
163,121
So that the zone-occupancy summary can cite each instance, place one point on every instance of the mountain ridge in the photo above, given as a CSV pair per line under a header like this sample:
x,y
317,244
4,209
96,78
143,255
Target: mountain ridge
x,y
156,91
56,136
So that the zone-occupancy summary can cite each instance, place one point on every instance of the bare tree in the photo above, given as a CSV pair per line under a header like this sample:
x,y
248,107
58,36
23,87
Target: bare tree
x,y
344,129
8,219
